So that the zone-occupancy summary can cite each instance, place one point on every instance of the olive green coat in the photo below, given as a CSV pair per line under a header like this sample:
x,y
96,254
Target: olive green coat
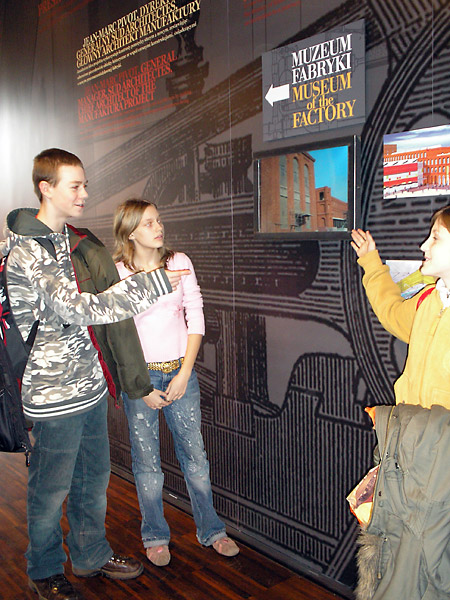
x,y
118,342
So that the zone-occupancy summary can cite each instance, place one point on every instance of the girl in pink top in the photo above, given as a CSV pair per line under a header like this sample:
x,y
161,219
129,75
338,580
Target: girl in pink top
x,y
170,333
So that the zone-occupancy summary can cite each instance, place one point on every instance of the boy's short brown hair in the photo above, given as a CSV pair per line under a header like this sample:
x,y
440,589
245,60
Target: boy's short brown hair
x,y
442,216
46,165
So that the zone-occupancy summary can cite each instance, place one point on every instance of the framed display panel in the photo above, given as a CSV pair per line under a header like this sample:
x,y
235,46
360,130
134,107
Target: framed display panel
x,y
309,191
417,163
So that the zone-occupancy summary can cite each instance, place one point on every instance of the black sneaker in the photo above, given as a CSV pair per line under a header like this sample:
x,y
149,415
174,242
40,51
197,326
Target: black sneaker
x,y
55,587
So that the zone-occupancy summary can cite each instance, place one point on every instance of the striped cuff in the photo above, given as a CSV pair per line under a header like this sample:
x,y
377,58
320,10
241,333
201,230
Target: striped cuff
x,y
160,282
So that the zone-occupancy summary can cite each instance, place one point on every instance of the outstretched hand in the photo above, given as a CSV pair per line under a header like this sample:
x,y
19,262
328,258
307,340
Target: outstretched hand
x,y
174,277
363,242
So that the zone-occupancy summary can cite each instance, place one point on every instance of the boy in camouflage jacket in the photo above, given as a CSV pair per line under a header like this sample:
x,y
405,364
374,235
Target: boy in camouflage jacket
x,y
64,388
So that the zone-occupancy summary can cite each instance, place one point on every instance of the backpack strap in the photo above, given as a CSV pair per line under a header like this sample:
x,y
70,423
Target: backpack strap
x,y
424,295
5,307
47,244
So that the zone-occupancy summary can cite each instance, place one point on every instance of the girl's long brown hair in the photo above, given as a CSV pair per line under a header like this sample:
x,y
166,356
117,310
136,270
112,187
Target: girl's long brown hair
x,y
127,217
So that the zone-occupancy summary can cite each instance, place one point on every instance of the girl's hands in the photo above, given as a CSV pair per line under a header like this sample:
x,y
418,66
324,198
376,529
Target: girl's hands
x,y
175,390
156,400
177,387
362,242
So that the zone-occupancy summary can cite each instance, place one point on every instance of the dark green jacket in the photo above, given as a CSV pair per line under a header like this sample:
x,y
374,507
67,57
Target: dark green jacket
x,y
118,342
411,509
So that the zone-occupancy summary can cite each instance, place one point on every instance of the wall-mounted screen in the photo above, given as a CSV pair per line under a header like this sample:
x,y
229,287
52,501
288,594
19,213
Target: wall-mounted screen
x,y
308,191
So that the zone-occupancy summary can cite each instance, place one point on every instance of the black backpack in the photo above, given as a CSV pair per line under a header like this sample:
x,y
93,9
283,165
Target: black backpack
x,y
14,353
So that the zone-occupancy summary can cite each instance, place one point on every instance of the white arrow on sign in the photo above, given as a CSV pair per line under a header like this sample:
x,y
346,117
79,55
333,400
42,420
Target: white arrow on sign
x,y
275,94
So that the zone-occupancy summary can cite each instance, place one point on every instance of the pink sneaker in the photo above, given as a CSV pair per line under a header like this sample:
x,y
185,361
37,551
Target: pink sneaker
x,y
158,555
226,547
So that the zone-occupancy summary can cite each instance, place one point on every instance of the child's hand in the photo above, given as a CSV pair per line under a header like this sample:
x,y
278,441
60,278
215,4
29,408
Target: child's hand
x,y
156,400
362,242
177,386
174,277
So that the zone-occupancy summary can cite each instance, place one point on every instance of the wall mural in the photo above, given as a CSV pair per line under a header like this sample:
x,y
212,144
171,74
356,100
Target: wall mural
x,y
292,353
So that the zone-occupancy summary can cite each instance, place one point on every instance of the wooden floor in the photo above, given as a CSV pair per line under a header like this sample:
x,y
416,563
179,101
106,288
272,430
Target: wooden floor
x,y
195,573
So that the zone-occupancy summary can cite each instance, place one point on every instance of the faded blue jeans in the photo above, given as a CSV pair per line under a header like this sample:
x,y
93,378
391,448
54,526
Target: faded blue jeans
x,y
70,457
183,419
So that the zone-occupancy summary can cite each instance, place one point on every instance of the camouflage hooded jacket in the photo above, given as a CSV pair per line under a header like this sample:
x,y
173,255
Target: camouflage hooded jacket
x,y
63,375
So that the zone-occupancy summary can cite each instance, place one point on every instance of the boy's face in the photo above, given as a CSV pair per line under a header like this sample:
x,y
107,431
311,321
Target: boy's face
x,y
66,198
436,250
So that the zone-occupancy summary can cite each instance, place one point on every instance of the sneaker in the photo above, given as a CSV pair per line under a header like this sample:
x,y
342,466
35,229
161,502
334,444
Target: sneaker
x,y
117,567
226,547
158,555
55,587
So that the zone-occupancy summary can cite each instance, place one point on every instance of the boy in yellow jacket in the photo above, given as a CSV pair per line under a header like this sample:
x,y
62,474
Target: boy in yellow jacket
x,y
424,325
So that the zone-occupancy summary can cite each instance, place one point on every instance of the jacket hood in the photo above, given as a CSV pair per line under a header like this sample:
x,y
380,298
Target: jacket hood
x,y
22,223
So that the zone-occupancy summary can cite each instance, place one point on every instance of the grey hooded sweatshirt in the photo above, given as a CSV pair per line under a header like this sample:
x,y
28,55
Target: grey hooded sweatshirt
x,y
63,375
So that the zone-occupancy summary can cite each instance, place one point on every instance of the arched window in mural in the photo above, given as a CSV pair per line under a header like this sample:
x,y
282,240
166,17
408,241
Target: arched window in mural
x,y
297,206
283,194
307,197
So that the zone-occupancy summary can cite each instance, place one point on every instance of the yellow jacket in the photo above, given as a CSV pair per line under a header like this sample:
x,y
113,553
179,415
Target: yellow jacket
x,y
426,377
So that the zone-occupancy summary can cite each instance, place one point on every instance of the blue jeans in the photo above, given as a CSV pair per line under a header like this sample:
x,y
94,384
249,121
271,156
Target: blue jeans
x,y
70,457
183,419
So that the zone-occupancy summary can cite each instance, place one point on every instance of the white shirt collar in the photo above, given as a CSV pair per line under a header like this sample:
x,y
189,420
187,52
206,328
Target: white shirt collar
x,y
444,292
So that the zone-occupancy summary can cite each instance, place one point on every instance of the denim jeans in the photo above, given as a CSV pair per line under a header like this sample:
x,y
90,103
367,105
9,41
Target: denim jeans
x,y
70,457
183,419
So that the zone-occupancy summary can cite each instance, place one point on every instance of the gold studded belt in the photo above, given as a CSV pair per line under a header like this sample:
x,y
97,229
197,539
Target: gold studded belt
x,y
165,367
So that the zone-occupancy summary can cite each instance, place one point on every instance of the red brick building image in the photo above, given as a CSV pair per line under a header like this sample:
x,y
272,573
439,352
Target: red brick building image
x,y
291,201
331,212
416,171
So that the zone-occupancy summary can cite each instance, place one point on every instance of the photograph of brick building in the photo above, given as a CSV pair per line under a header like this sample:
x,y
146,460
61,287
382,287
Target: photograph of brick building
x,y
289,199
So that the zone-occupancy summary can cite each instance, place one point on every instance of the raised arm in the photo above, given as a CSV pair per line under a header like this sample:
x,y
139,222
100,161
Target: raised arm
x,y
363,242
394,312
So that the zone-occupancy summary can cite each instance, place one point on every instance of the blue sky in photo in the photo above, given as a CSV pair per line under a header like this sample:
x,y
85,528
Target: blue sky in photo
x,y
420,139
331,169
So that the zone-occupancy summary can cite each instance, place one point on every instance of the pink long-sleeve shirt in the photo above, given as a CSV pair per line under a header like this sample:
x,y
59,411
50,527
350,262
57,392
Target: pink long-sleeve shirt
x,y
164,328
